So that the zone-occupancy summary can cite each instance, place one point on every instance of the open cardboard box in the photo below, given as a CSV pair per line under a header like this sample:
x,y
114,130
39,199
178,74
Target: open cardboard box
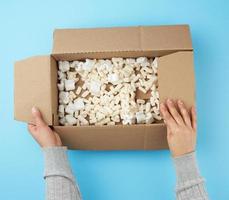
x,y
36,80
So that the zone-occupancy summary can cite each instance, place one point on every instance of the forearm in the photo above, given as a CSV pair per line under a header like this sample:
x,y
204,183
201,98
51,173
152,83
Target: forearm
x,y
59,180
190,185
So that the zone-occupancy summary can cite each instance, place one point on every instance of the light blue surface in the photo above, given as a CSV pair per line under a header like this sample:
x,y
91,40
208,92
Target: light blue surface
x,y
26,30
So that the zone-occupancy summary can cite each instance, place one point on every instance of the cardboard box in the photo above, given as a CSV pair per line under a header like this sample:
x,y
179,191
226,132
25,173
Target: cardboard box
x,y
36,80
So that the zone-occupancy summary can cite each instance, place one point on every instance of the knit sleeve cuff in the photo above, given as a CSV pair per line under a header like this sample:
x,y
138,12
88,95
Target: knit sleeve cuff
x,y
56,162
186,167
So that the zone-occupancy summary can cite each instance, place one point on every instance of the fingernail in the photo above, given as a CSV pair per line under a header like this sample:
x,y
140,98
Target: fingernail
x,y
180,102
162,106
194,109
169,101
34,109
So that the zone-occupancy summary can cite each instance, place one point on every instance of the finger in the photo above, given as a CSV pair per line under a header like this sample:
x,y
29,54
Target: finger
x,y
32,128
38,117
173,111
194,118
166,115
184,112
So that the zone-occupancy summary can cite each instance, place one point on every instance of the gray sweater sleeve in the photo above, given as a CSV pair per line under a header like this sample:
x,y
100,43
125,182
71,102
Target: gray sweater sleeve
x,y
61,185
190,184
59,180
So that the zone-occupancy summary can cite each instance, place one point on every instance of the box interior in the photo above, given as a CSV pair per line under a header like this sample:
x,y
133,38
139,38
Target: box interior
x,y
94,55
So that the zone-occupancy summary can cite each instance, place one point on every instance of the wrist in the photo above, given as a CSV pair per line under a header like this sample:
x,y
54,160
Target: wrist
x,y
50,145
176,154
186,167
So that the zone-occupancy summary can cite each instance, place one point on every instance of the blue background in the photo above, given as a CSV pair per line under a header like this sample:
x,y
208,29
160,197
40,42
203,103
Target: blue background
x,y
26,30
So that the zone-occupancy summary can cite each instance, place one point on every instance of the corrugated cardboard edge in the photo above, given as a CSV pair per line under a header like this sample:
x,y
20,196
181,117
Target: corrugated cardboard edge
x,y
54,91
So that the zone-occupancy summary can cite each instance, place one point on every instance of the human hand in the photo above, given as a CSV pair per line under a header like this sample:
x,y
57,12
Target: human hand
x,y
181,127
41,132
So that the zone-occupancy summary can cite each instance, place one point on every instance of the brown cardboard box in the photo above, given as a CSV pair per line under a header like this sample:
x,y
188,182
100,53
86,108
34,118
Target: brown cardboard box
x,y
36,80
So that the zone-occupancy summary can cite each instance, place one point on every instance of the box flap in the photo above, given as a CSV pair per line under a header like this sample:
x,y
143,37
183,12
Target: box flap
x,y
118,137
32,87
176,77
122,39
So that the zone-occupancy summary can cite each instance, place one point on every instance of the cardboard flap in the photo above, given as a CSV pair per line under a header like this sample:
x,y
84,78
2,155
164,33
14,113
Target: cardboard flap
x,y
32,87
122,39
176,77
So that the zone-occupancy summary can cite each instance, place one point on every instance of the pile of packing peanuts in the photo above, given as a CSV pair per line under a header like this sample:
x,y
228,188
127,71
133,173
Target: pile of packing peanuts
x,y
103,91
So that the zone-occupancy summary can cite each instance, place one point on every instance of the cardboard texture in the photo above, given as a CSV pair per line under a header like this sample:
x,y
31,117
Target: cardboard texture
x,y
175,77
36,81
114,138
33,87
121,39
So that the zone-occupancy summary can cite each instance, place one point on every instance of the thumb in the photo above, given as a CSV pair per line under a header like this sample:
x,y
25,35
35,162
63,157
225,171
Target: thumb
x,y
37,116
